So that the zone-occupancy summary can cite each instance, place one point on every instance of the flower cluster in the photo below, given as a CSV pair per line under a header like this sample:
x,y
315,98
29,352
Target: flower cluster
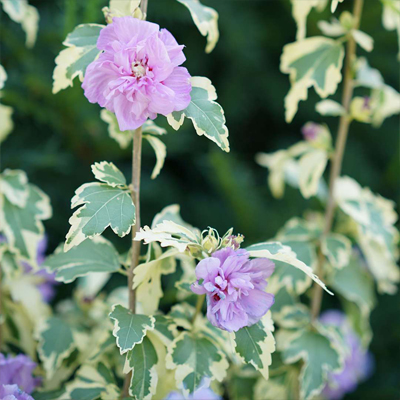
x,y
137,76
17,371
358,364
235,288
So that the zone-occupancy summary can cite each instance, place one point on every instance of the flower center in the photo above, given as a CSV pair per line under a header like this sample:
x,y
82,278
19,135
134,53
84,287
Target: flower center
x,y
139,69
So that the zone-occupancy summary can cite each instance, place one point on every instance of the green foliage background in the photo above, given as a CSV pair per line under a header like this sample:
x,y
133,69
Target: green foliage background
x,y
57,138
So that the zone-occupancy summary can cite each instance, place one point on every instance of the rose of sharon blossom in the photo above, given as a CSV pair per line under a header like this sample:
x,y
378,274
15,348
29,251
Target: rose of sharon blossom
x,y
235,288
13,392
18,371
137,76
358,364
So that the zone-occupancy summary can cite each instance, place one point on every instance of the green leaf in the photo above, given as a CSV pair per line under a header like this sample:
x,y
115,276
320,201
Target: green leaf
x,y
334,5
129,329
255,344
23,227
14,185
80,52
91,256
195,357
26,15
376,234
355,284
56,343
311,168
337,248
206,20
108,173
330,108
207,115
147,279
160,150
142,361
300,12
293,316
277,251
299,229
319,356
165,328
315,61
168,232
390,18
103,206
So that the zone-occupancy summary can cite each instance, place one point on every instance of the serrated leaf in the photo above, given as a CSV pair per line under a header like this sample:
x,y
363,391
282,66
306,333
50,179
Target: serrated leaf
x,y
23,227
160,150
108,173
14,185
311,168
337,248
206,114
315,61
293,316
91,256
147,279
102,206
129,329
123,138
319,356
255,344
23,13
142,361
299,229
80,52
330,108
123,7
277,251
194,358
56,343
206,20
165,329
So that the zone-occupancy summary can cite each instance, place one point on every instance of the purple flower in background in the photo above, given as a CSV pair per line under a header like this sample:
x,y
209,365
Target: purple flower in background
x,y
202,393
18,371
48,280
310,131
358,364
235,288
13,392
137,76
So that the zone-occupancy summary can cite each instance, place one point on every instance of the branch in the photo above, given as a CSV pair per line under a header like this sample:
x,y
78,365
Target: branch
x,y
343,131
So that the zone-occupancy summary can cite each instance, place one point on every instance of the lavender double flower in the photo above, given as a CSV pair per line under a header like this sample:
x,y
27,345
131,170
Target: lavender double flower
x,y
235,288
138,73
13,392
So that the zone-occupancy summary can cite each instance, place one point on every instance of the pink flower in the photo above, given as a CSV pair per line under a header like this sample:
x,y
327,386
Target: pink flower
x,y
235,288
137,76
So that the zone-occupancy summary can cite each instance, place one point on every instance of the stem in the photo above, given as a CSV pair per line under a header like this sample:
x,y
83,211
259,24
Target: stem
x,y
199,305
1,312
343,131
135,193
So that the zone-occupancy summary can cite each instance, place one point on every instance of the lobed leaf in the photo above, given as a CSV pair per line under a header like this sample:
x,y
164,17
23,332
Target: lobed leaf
x,y
316,62
129,329
108,173
194,357
337,248
102,206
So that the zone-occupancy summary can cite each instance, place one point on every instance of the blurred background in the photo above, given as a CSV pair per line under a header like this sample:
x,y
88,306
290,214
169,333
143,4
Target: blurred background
x,y
57,137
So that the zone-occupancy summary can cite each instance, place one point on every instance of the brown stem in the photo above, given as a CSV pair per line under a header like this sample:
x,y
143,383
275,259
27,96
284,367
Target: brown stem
x,y
343,131
135,193
1,312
